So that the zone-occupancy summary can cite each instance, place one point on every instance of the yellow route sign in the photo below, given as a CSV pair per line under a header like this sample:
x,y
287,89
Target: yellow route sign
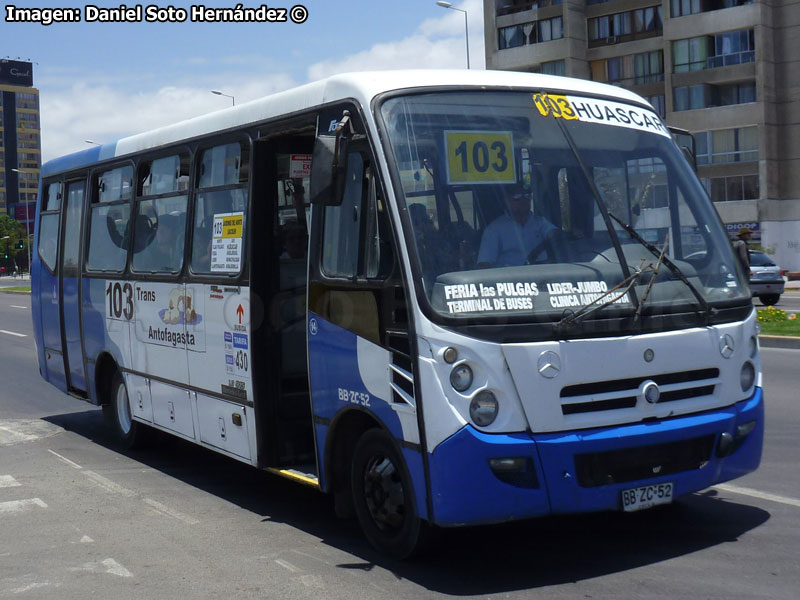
x,y
480,157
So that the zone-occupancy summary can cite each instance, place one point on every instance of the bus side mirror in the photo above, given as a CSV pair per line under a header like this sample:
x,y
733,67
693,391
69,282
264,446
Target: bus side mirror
x,y
329,165
686,143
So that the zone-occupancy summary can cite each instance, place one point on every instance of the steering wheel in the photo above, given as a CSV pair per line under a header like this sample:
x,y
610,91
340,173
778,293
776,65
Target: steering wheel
x,y
554,242
538,249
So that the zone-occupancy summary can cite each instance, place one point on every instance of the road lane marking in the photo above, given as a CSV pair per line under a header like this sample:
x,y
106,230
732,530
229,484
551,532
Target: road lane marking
x,y
287,565
756,494
65,459
109,566
15,306
13,333
166,510
17,506
14,431
8,481
113,487
109,485
26,587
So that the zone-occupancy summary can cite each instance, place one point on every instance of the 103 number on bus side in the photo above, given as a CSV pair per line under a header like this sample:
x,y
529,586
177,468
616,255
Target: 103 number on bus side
x,y
119,300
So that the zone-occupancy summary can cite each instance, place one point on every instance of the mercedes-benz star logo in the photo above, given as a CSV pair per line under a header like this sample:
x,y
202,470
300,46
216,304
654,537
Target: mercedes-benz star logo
x,y
651,392
549,364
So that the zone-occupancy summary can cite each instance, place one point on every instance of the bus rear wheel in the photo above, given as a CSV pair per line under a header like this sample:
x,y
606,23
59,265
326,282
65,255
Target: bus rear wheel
x,y
383,496
117,413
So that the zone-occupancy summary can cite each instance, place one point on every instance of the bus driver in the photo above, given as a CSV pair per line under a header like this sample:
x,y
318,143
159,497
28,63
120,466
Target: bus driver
x,y
510,239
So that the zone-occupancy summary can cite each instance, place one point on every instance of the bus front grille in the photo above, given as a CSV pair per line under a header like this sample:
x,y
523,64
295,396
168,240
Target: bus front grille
x,y
631,464
623,393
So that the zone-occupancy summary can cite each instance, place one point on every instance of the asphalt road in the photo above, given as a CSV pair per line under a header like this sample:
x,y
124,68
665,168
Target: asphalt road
x,y
80,519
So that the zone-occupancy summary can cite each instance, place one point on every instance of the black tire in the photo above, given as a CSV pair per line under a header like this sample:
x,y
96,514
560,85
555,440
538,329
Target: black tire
x,y
117,412
769,299
383,496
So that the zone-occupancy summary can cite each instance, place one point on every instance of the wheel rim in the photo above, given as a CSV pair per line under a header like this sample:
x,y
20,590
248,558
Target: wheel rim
x,y
384,493
123,410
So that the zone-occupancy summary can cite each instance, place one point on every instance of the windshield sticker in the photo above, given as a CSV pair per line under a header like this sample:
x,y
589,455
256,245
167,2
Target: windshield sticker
x,y
482,297
568,294
300,166
480,157
604,112
226,245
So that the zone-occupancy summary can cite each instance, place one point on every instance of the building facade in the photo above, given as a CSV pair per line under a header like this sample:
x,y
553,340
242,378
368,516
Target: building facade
x,y
20,141
723,69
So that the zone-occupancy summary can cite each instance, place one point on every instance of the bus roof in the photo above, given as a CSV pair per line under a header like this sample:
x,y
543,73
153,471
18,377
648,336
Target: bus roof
x,y
362,86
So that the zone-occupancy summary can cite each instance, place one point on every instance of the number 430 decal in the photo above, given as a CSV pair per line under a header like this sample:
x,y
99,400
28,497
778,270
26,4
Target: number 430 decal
x,y
119,300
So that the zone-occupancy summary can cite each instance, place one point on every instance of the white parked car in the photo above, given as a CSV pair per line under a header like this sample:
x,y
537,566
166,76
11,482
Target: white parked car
x,y
766,282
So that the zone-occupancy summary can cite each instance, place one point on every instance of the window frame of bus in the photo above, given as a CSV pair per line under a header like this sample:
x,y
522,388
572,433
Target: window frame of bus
x,y
46,211
185,154
245,141
94,201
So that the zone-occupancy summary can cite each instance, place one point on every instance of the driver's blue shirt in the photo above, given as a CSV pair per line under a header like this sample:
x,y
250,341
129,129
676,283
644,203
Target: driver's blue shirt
x,y
506,243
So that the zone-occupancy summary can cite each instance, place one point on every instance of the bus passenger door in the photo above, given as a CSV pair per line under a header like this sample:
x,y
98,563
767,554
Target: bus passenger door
x,y
45,288
358,332
279,283
70,286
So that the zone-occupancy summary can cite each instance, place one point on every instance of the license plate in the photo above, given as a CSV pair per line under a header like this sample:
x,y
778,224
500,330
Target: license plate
x,y
646,496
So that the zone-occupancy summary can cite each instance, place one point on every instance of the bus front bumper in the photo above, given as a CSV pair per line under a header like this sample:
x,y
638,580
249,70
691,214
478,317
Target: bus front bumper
x,y
487,478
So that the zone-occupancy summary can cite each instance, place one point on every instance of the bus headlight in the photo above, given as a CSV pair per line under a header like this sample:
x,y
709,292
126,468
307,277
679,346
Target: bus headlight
x,y
483,408
747,376
461,377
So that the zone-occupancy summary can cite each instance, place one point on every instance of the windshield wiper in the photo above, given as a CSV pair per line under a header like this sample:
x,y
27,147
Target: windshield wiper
x,y
623,287
607,216
662,257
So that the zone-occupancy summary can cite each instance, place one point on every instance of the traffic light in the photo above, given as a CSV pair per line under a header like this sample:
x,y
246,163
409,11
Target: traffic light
x,y
5,255
20,245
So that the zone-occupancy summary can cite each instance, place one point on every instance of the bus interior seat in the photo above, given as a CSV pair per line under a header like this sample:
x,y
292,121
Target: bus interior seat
x,y
143,233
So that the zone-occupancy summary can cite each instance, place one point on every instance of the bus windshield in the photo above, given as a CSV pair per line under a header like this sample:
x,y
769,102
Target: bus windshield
x,y
537,206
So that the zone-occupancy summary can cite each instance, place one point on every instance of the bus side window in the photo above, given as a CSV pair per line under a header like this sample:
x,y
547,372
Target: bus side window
x,y
160,226
72,225
109,220
48,227
220,209
357,234
341,237
48,240
52,197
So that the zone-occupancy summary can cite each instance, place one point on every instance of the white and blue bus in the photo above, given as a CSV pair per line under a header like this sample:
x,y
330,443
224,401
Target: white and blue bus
x,y
444,298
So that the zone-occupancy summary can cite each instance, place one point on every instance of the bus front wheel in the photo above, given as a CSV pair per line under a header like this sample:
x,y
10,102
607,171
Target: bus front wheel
x,y
383,496
117,413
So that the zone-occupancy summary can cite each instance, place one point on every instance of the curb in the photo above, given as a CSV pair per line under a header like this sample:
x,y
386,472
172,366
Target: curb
x,y
779,341
2,291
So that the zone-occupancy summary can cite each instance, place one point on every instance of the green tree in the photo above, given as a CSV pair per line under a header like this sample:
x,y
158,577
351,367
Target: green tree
x,y
15,231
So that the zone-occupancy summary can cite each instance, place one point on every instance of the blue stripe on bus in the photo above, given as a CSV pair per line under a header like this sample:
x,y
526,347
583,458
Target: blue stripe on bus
x,y
96,337
333,363
465,491
80,159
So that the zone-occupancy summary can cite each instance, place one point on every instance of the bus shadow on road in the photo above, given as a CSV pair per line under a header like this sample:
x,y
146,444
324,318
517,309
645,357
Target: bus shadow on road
x,y
465,561
566,549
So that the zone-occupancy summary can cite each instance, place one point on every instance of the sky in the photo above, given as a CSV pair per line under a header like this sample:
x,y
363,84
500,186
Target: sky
x,y
101,81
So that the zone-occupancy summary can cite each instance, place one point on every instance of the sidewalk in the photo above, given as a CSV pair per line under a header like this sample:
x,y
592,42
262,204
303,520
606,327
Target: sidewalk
x,y
792,286
7,281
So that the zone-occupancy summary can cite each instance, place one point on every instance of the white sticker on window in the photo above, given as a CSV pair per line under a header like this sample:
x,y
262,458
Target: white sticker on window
x,y
594,110
226,245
